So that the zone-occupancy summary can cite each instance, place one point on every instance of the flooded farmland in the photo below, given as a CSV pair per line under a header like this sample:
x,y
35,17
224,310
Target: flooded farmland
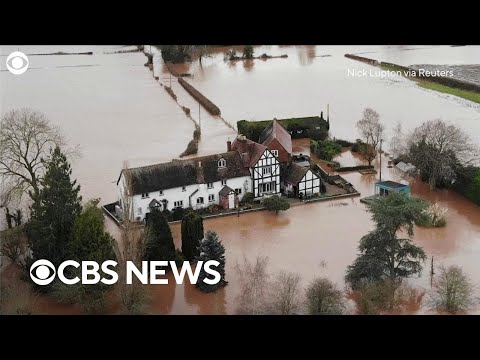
x,y
111,105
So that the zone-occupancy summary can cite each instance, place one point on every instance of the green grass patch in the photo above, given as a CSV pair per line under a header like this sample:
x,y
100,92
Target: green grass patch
x,y
466,94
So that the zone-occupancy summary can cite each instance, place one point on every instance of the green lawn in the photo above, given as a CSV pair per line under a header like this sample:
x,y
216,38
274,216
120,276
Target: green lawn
x,y
466,94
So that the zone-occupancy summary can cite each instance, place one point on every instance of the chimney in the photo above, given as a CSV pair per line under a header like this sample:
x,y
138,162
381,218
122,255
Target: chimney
x,y
229,145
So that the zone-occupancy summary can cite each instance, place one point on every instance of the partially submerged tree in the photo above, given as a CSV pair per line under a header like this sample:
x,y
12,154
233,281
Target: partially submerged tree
x,y
254,281
26,139
276,203
130,247
284,296
192,233
248,52
90,242
382,254
211,248
368,152
54,210
438,150
159,244
452,290
370,127
324,298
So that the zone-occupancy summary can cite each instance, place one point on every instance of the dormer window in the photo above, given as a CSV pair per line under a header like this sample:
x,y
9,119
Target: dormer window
x,y
222,163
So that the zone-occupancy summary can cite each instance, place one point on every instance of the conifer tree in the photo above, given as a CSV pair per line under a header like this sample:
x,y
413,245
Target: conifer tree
x,y
211,249
192,233
159,244
54,211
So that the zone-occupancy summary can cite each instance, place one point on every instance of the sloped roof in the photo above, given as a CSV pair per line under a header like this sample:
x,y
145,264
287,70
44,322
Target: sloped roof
x,y
225,191
250,151
295,173
178,173
276,131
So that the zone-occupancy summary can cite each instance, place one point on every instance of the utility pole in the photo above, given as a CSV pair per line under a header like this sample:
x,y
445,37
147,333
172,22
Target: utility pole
x,y
381,141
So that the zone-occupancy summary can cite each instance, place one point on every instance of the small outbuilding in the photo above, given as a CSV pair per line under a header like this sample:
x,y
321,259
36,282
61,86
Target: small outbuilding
x,y
383,188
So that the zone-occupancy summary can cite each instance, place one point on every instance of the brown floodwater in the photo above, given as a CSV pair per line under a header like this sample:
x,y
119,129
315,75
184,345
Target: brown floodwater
x,y
111,106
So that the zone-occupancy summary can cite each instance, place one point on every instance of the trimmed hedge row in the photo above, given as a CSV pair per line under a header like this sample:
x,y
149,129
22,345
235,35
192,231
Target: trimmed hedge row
x,y
354,168
298,127
197,95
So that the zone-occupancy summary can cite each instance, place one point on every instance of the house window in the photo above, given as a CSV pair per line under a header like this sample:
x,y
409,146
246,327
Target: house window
x,y
139,211
210,185
184,188
144,195
178,203
267,170
238,191
275,152
268,187
224,182
222,163
160,192
200,200
211,198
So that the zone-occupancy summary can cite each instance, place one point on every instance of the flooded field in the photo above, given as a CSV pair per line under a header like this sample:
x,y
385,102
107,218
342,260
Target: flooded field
x,y
111,105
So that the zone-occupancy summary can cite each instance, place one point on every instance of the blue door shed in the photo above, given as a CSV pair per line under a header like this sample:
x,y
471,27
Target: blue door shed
x,y
383,188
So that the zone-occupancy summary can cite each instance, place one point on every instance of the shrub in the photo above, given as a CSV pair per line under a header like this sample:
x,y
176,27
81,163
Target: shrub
x,y
356,146
170,91
248,198
324,298
433,216
167,214
196,134
343,143
248,52
317,134
178,213
327,149
276,203
179,257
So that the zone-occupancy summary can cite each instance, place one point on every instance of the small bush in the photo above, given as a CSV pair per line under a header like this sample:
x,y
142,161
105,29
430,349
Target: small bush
x,y
343,143
356,147
167,214
248,198
170,91
327,149
196,134
433,216
178,213
276,203
179,257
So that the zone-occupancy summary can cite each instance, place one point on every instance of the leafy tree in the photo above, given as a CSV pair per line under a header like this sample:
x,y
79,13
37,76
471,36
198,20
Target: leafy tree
x,y
211,249
382,254
324,298
54,211
90,242
368,152
192,233
452,290
248,52
276,203
159,244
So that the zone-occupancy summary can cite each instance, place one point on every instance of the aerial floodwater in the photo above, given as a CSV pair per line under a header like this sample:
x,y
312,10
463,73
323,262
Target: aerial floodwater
x,y
113,108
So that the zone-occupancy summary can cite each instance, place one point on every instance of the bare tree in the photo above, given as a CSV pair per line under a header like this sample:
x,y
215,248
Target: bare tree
x,y
200,51
437,148
284,294
253,286
370,127
324,298
452,290
26,138
131,247
13,244
397,142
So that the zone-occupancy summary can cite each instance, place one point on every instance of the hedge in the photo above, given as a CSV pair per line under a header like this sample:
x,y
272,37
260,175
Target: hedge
x,y
197,95
354,168
298,127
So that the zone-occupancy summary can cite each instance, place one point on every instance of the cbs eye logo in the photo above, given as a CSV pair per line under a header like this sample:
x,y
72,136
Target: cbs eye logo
x,y
42,272
17,63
